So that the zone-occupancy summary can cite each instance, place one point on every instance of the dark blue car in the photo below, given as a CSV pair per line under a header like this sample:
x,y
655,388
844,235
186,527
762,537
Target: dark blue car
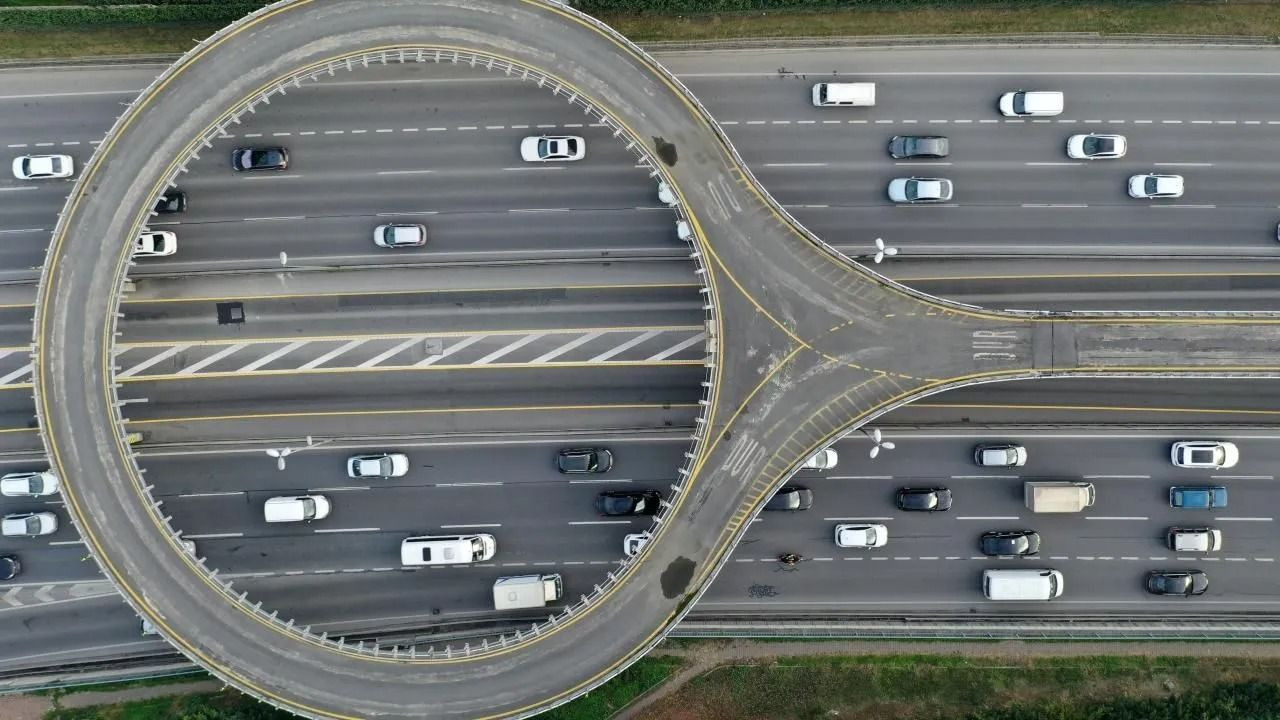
x,y
1198,497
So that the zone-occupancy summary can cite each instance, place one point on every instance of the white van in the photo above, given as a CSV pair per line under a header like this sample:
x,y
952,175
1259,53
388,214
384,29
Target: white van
x,y
844,94
296,508
447,549
1021,584
1022,103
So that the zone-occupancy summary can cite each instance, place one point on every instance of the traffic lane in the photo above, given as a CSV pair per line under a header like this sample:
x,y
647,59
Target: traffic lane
x,y
942,95
1061,229
1080,453
388,163
909,585
1011,185
1102,292
68,566
415,313
439,392
960,61
386,602
92,629
1227,148
1186,402
637,459
452,236
1130,518
510,511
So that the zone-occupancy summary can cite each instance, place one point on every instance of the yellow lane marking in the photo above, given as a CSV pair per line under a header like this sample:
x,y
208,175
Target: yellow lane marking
x,y
398,336
412,411
1087,276
1089,408
128,300
406,368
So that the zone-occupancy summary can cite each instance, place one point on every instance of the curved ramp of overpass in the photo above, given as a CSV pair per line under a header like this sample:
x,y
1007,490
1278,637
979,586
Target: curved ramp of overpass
x,y
805,346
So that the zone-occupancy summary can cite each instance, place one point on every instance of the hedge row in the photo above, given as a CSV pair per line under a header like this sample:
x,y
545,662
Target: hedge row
x,y
603,7
55,17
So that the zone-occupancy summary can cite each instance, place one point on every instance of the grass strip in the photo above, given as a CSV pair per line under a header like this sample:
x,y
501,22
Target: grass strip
x,y
174,679
1231,17
929,687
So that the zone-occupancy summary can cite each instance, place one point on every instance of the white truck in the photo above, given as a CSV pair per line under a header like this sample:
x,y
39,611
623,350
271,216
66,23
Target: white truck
x,y
1058,496
526,591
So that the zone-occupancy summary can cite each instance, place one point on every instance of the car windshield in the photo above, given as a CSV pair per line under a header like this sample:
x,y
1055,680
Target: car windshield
x,y
1172,584
1097,145
546,147
1153,185
1020,103
35,485
308,507
33,525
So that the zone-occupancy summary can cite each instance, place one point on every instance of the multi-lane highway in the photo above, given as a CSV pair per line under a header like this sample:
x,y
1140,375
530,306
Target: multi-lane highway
x,y
542,259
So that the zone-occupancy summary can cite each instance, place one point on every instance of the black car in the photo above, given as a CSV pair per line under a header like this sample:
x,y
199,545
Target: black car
x,y
1177,582
174,201
9,567
628,502
577,461
267,158
919,146
926,499
791,498
1005,543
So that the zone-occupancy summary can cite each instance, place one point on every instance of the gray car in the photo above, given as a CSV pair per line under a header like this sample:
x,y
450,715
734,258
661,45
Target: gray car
x,y
919,190
919,146
791,498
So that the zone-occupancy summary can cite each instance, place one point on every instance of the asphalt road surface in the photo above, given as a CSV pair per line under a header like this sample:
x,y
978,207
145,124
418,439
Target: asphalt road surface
x,y
1013,193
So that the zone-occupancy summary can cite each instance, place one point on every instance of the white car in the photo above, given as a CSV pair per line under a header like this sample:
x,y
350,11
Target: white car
x,y
1096,147
824,459
296,508
1205,454
43,167
634,543
1000,455
666,195
1155,186
1022,103
919,190
861,536
400,236
553,148
383,465
155,243
29,524
29,484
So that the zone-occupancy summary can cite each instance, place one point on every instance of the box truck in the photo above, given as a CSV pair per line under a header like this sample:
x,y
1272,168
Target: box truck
x,y
1058,496
526,591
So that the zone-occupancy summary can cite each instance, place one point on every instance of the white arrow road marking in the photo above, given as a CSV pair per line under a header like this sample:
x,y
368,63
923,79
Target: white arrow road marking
x,y
11,597
43,594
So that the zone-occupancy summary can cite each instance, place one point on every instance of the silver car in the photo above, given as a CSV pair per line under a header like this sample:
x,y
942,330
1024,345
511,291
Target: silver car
x,y
919,190
29,484
382,465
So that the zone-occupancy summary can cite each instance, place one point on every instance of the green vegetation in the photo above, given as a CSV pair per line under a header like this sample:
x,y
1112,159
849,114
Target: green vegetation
x,y
928,687
175,679
70,17
231,705
172,25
